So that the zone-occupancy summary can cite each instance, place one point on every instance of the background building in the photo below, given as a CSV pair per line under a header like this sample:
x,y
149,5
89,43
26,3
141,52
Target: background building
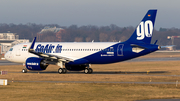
x,y
7,40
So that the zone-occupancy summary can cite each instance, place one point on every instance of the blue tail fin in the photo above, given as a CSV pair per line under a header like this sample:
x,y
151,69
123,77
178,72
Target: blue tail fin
x,y
144,30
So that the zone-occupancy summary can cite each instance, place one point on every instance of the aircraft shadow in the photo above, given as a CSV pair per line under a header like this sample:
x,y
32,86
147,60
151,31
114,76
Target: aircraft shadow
x,y
99,72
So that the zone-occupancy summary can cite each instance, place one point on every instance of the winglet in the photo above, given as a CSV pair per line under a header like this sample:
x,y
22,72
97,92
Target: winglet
x,y
31,48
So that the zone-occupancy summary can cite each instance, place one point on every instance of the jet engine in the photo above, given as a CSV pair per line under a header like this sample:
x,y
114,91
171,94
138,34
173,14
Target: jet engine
x,y
34,63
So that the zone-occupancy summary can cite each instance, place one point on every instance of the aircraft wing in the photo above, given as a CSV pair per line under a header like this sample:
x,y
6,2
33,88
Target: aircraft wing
x,y
48,56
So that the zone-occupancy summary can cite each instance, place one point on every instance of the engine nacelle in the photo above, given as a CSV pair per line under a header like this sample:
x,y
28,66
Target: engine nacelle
x,y
75,67
34,63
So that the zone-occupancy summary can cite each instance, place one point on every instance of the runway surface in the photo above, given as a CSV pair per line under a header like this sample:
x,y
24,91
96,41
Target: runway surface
x,y
161,100
154,59
5,62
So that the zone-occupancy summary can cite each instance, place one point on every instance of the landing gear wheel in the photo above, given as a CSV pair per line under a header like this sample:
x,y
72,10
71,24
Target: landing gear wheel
x,y
64,70
24,70
88,70
60,70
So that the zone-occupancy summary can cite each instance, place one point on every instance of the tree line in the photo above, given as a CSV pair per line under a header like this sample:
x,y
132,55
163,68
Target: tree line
x,y
74,33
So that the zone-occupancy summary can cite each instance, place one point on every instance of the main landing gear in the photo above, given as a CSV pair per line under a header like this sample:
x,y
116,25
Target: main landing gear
x,y
62,70
88,70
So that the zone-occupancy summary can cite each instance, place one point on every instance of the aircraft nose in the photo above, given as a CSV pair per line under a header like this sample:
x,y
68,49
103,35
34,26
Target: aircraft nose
x,y
6,56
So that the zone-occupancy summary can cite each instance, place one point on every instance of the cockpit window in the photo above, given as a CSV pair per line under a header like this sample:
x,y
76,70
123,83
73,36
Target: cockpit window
x,y
11,49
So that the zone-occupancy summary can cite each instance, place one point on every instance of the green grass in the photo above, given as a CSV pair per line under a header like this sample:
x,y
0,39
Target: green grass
x,y
138,71
81,92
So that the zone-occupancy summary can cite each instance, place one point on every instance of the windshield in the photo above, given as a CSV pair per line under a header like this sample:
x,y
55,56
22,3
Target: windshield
x,y
11,49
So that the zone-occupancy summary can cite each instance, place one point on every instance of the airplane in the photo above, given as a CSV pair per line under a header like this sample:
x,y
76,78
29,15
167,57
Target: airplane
x,y
77,56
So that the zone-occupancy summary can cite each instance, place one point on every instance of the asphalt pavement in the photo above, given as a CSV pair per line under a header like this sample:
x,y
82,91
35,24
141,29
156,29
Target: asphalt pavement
x,y
5,62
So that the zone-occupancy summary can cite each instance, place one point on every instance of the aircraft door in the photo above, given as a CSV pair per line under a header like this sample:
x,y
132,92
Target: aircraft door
x,y
18,51
120,50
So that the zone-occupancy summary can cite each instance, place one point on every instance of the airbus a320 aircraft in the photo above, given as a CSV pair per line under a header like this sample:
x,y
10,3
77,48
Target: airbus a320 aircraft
x,y
75,56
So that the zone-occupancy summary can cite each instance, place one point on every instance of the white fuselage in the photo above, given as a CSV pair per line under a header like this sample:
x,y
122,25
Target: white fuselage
x,y
73,50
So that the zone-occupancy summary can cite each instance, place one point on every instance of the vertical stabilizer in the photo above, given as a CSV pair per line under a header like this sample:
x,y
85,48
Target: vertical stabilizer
x,y
144,30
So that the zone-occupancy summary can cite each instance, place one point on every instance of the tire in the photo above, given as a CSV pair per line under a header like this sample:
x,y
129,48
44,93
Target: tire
x,y
86,70
60,70
90,70
24,70
64,70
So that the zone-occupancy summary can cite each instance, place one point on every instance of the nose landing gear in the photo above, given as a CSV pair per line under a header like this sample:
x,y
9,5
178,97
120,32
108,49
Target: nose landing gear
x,y
24,70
